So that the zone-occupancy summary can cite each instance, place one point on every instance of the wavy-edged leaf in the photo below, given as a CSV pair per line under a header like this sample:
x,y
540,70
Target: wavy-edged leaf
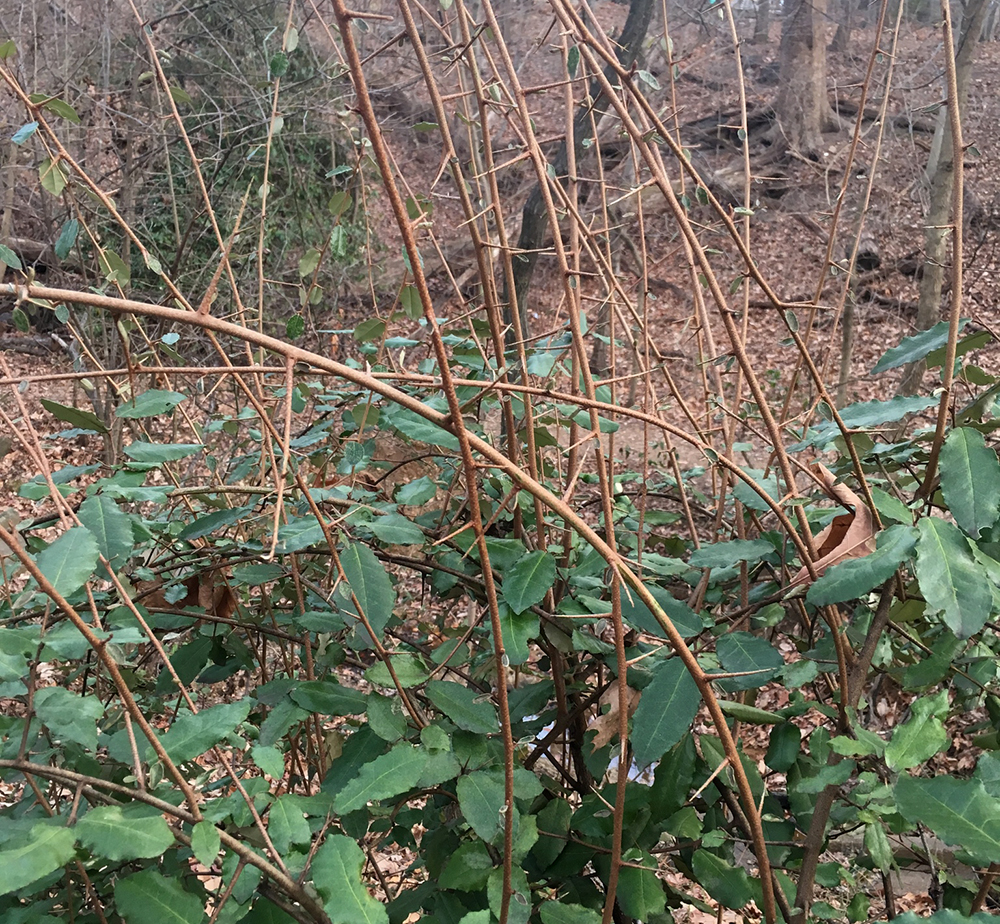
x,y
68,716
728,885
152,403
110,526
634,611
953,583
481,798
69,562
327,697
463,707
518,629
158,453
970,480
287,824
960,812
741,652
148,896
857,576
553,912
132,832
193,734
726,554
47,848
911,349
336,872
529,581
370,584
922,735
667,708
387,776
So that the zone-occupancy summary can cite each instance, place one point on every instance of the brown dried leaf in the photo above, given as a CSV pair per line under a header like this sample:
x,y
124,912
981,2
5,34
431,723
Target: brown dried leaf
x,y
606,724
850,535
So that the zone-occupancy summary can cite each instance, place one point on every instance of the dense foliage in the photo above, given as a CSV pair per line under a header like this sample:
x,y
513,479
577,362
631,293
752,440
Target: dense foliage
x,y
409,638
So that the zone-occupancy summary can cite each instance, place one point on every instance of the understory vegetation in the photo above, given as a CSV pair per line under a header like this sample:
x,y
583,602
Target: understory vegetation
x,y
417,524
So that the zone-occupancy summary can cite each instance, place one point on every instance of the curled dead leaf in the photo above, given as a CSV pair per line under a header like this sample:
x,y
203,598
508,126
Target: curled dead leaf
x,y
606,724
850,535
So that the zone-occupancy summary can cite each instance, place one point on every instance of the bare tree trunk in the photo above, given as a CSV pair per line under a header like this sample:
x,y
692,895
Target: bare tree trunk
x,y
533,217
803,109
845,25
762,27
942,174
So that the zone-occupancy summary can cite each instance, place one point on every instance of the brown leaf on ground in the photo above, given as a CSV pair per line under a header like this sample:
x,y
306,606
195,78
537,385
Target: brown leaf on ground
x,y
850,535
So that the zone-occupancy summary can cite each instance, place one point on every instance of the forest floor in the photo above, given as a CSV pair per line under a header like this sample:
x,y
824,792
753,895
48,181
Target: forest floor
x,y
793,204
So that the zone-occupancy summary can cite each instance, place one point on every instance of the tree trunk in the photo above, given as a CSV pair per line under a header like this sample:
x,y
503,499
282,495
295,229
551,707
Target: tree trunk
x,y
941,169
802,108
845,25
533,216
762,27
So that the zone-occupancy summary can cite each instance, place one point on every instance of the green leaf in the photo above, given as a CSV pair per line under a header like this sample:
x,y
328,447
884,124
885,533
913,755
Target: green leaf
x,y
370,584
640,892
85,420
481,798
410,671
726,554
417,492
877,845
157,453
952,582
278,65
783,747
51,176
269,759
371,329
875,413
56,106
572,63
520,900
395,529
340,202
7,50
48,847
922,735
461,706
468,869
115,269
635,612
300,533
518,629
418,428
529,581
911,349
336,871
387,776
205,842
295,327
110,526
152,403
69,562
970,480
667,708
728,885
553,912
308,262
9,258
287,824
751,714
960,812
855,577
741,651
148,896
179,95
132,832
67,238
193,734
327,697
